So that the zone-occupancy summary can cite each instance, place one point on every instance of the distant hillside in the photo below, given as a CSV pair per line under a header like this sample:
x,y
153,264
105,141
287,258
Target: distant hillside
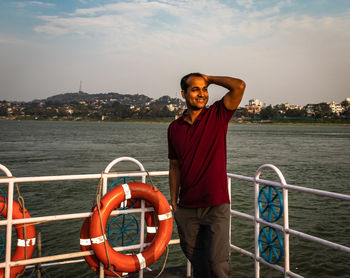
x,y
126,99
105,106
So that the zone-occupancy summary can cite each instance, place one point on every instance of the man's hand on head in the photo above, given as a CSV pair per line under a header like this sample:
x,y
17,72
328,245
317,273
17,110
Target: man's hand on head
x,y
206,78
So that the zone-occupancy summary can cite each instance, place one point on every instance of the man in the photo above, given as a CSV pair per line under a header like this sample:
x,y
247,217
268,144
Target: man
x,y
198,175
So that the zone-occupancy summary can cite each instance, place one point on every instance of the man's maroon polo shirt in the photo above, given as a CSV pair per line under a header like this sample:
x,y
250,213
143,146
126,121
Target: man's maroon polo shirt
x,y
200,149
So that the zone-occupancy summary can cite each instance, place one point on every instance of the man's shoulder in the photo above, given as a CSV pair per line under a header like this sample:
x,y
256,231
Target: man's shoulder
x,y
219,111
217,105
220,104
176,122
173,126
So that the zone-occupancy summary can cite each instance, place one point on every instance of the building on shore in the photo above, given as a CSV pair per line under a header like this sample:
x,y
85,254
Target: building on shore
x,y
254,106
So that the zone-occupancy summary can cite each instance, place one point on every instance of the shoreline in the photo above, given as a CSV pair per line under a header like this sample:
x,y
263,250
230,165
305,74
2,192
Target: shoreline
x,y
169,120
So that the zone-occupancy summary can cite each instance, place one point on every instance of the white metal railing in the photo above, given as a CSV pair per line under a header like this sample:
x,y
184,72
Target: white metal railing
x,y
107,174
285,228
11,181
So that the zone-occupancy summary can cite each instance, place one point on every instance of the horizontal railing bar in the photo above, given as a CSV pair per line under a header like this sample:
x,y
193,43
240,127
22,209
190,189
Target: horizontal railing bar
x,y
43,219
261,260
164,173
294,275
294,232
57,263
242,251
318,192
240,177
242,215
49,258
81,177
274,266
76,255
324,242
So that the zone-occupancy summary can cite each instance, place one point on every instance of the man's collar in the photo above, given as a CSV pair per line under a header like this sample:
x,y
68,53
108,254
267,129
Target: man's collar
x,y
199,117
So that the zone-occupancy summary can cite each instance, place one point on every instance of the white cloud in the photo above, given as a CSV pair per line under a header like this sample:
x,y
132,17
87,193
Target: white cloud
x,y
167,24
33,3
282,56
245,3
140,8
110,19
207,22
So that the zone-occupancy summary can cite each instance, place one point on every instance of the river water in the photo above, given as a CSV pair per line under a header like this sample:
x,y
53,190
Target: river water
x,y
310,156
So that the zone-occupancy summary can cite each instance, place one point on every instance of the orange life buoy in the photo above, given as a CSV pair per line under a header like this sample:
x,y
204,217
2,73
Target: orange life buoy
x,y
22,243
113,199
85,245
85,242
152,226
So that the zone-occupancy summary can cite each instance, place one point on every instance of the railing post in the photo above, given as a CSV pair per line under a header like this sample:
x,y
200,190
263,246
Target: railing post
x,y
9,221
256,229
104,191
142,236
285,212
9,229
285,229
108,168
38,266
229,183
188,269
142,229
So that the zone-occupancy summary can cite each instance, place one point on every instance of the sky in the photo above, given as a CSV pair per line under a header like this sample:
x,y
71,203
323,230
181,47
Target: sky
x,y
287,51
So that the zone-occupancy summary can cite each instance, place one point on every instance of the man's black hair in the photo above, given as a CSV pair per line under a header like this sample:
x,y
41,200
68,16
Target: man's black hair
x,y
183,82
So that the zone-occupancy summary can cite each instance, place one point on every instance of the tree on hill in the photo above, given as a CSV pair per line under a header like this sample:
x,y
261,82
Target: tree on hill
x,y
295,113
322,110
268,112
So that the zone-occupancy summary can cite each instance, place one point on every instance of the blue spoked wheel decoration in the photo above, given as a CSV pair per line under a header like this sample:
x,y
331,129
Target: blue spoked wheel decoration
x,y
2,200
2,245
123,230
270,245
270,203
127,204
120,181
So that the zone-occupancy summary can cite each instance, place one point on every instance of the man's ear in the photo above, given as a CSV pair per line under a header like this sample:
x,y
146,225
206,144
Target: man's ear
x,y
183,94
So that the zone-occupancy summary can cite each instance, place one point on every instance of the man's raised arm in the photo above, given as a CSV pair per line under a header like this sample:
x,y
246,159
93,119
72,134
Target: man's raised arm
x,y
235,86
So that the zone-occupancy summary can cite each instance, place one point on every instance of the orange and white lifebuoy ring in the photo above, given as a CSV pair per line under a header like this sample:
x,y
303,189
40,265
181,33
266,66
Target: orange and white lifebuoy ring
x,y
85,245
22,243
152,226
131,263
85,242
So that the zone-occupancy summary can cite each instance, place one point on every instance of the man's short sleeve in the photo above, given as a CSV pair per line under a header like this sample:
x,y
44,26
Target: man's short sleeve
x,y
222,112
